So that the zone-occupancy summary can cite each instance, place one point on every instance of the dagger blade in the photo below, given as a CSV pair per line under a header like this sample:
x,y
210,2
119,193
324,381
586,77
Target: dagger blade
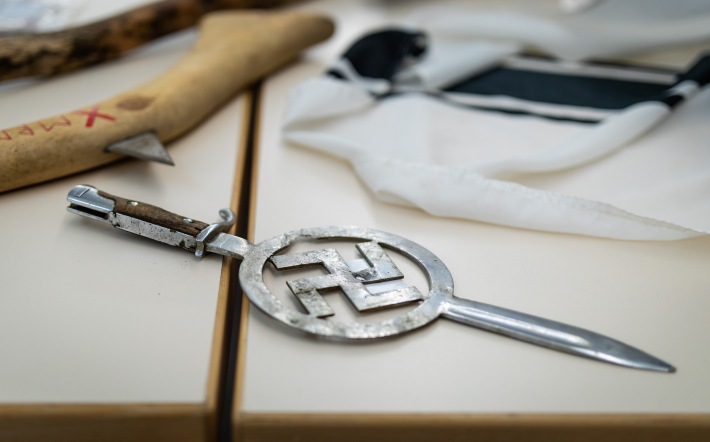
x,y
145,146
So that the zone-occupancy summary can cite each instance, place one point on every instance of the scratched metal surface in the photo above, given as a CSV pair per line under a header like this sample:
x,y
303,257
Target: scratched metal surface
x,y
440,282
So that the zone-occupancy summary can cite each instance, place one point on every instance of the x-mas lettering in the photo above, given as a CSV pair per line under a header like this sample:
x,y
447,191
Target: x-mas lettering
x,y
93,114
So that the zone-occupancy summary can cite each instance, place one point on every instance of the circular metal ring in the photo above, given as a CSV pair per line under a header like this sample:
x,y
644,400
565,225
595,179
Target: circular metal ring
x,y
440,281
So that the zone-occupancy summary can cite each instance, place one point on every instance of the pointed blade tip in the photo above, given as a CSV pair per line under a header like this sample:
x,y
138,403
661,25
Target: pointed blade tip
x,y
667,368
145,146
649,364
169,161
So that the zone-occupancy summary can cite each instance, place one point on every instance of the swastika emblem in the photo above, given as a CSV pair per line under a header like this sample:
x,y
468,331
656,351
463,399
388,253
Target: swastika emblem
x,y
379,268
369,283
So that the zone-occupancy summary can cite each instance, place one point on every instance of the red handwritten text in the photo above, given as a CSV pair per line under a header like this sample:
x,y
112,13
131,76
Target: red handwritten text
x,y
63,121
93,114
48,125
25,130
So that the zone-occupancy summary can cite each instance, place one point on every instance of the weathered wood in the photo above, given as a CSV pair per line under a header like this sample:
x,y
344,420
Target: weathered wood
x,y
155,215
323,427
234,49
51,53
104,422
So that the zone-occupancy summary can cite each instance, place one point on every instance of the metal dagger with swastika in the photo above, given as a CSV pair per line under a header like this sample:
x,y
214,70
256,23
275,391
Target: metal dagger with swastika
x,y
354,279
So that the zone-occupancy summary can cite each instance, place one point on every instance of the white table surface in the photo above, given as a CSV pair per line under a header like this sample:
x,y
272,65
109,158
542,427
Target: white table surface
x,y
89,314
653,295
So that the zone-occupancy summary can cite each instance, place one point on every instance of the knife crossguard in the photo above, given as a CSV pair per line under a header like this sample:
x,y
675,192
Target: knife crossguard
x,y
147,220
208,233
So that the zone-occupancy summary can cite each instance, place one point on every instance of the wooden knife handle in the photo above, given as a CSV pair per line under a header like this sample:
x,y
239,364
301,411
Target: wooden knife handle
x,y
155,215
234,49
51,53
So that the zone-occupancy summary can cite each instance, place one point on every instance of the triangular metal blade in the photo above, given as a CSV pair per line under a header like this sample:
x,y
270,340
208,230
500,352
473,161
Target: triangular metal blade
x,y
145,146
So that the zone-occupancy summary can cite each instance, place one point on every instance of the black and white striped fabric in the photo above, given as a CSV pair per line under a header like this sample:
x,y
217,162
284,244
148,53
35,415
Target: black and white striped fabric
x,y
480,130
541,86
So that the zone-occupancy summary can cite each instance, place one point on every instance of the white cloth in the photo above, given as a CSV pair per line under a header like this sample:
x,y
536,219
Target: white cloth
x,y
601,29
640,174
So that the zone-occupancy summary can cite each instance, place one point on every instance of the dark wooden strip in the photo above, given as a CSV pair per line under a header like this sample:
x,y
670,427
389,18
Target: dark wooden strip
x,y
64,51
155,215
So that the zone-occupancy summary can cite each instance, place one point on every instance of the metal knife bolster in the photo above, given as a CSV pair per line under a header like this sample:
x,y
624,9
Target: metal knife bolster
x,y
147,220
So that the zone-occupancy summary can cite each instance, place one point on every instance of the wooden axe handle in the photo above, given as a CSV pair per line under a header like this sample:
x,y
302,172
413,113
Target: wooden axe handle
x,y
51,53
233,50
